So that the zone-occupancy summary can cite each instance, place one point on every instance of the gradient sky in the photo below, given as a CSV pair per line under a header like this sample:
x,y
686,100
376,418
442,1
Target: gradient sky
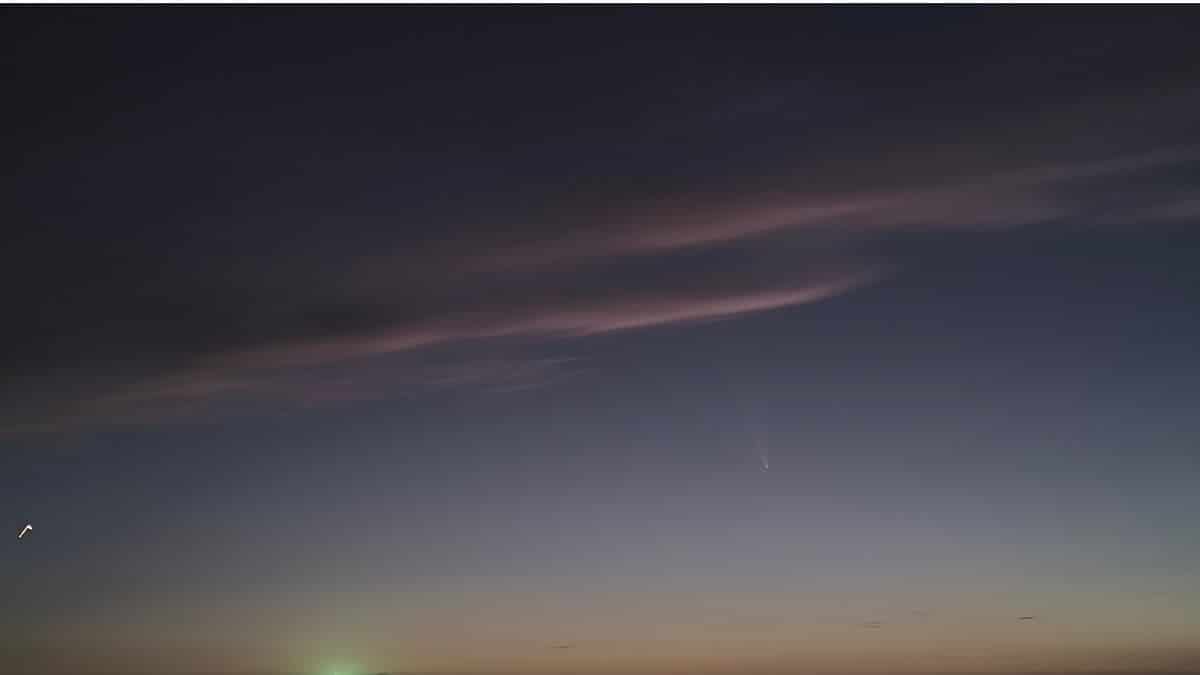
x,y
456,340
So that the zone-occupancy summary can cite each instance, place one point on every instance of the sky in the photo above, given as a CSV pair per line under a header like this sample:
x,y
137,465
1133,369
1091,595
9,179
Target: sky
x,y
599,341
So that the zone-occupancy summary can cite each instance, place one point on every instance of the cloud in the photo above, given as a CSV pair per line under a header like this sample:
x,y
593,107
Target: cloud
x,y
572,319
209,391
311,336
500,343
679,222
345,367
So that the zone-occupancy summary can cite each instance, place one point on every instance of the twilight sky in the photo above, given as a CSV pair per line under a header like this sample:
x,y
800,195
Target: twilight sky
x,y
607,341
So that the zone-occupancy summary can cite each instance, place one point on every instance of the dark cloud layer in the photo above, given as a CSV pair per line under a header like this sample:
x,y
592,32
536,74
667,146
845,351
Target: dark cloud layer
x,y
187,248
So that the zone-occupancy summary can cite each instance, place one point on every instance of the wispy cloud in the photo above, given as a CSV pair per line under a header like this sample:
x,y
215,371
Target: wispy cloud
x,y
576,319
220,389
777,249
687,221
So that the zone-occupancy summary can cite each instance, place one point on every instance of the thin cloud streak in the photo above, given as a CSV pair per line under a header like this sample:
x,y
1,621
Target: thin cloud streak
x,y
330,371
1007,199
205,391
573,320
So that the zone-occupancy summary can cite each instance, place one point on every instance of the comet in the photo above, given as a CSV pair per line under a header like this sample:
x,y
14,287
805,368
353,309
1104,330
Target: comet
x,y
758,438
761,446
27,528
